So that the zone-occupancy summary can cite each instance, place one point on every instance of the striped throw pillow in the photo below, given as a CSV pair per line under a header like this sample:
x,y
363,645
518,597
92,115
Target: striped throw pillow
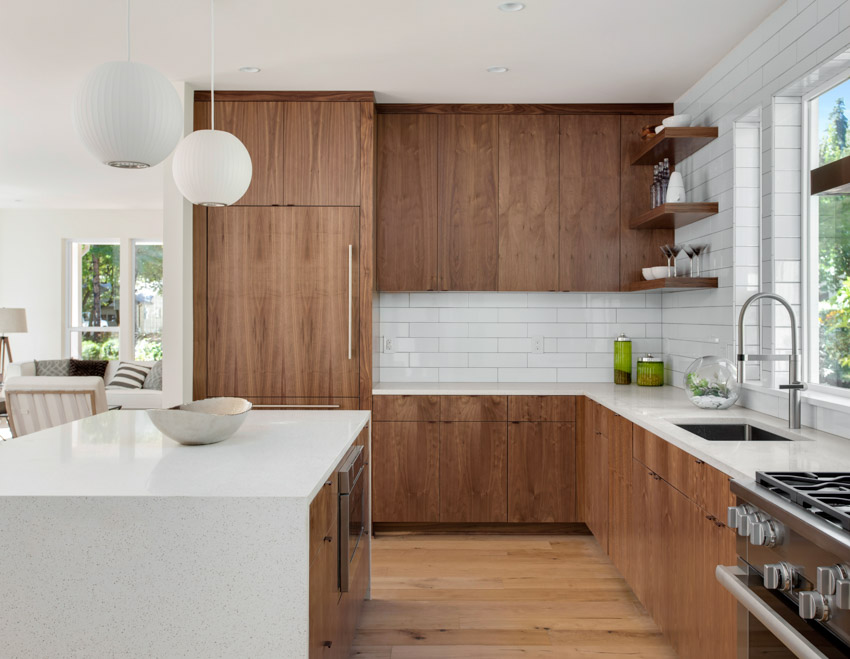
x,y
129,376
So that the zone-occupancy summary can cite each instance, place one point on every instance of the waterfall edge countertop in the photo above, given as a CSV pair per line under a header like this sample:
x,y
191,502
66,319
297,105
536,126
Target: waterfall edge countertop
x,y
121,453
658,409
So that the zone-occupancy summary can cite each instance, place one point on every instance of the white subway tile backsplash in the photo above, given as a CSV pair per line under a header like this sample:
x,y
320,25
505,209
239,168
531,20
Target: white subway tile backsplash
x,y
558,359
498,299
525,315
439,329
461,315
469,375
443,299
439,360
498,329
469,345
417,344
557,329
499,359
528,375
409,315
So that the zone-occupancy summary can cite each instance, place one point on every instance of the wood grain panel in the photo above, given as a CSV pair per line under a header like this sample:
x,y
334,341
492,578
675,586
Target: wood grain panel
x,y
468,160
407,203
406,408
260,128
406,471
473,472
528,203
324,595
278,302
596,473
323,515
584,435
638,248
541,472
314,402
590,203
199,303
541,408
323,139
368,242
473,408
620,495
603,419
665,109
712,490
251,95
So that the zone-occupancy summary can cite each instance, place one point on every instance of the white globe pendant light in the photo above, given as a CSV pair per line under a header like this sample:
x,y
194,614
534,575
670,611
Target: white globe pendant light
x,y
127,114
212,167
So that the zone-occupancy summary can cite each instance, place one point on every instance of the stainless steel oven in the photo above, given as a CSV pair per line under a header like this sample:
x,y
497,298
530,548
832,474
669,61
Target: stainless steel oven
x,y
792,580
352,511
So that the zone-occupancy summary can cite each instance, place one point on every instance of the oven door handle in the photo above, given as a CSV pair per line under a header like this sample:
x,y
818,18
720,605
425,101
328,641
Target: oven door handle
x,y
729,578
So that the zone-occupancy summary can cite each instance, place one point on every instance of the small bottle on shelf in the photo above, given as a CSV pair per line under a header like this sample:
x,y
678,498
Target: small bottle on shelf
x,y
665,179
654,190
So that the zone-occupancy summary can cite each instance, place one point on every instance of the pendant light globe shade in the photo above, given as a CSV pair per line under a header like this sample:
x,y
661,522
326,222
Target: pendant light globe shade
x,y
128,115
212,168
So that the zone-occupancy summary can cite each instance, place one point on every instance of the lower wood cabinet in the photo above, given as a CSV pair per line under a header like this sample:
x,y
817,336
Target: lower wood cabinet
x,y
473,471
541,472
406,471
595,472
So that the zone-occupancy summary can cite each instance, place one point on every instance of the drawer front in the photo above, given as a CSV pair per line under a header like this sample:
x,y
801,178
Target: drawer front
x,y
542,408
325,630
474,408
677,467
602,419
323,515
288,403
406,408
713,493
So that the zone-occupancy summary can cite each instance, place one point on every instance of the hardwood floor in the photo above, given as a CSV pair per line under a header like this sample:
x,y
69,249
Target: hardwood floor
x,y
495,597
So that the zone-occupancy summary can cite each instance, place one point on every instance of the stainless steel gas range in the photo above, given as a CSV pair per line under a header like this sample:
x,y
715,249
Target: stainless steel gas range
x,y
792,581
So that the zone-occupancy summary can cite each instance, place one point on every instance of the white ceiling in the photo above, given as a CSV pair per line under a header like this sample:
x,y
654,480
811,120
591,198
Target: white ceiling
x,y
567,51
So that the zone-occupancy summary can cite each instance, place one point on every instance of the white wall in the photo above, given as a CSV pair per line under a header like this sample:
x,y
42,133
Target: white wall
x,y
796,49
489,337
32,265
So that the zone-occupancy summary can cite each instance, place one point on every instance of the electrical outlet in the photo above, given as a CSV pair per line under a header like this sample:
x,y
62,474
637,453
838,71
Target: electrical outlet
x,y
538,345
389,344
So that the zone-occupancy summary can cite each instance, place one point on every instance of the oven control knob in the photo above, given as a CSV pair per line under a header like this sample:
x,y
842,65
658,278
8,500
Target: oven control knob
x,y
745,523
778,576
735,513
765,534
813,606
842,594
829,576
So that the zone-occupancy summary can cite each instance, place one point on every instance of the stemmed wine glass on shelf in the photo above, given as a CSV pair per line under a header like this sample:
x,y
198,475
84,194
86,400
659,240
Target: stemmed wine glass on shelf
x,y
668,252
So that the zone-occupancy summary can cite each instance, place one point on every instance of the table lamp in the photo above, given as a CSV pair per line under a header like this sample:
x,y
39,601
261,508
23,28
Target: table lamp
x,y
11,320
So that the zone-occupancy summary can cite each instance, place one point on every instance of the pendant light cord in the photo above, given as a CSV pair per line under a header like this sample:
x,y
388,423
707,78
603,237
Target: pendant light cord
x,y
128,30
212,64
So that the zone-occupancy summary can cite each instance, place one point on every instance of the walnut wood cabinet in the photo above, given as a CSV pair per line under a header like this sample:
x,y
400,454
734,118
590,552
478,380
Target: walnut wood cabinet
x,y
277,302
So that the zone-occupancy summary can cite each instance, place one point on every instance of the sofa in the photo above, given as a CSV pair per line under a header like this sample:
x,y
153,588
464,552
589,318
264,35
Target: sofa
x,y
128,399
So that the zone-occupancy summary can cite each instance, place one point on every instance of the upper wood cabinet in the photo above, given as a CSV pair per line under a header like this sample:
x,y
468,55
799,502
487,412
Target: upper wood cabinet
x,y
322,154
590,203
468,161
278,303
638,248
528,203
407,202
259,125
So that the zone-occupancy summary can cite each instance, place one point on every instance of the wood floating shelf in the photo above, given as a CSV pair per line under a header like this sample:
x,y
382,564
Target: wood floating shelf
x,y
674,216
672,284
673,143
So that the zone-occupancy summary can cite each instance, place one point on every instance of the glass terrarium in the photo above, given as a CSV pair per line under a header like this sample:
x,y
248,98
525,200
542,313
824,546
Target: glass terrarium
x,y
712,383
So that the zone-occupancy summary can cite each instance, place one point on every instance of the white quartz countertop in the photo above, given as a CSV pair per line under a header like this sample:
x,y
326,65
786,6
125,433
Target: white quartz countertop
x,y
658,409
121,453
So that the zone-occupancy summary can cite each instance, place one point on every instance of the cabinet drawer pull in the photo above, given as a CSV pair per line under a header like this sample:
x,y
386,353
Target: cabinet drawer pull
x,y
711,518
327,644
328,483
699,462
350,258
272,406
328,538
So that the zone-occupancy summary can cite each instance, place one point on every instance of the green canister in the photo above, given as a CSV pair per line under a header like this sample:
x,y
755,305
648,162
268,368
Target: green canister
x,y
622,360
650,371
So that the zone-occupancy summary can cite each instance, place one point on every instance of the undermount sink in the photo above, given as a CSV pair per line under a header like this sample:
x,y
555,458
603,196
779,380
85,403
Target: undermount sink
x,y
732,432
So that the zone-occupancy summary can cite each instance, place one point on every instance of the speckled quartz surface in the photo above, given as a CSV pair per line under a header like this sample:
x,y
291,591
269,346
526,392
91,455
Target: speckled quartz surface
x,y
118,542
658,409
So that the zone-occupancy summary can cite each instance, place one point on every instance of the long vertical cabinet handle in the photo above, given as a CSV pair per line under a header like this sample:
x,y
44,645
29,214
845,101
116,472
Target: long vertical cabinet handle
x,y
350,259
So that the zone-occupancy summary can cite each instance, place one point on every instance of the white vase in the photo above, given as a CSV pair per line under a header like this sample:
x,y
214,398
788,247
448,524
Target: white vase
x,y
675,189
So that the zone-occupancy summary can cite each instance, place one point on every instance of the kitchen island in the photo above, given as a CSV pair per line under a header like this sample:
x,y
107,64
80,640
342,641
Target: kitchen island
x,y
119,542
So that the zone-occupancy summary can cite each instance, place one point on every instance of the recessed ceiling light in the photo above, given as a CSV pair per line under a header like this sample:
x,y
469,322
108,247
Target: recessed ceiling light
x,y
249,69
497,69
512,6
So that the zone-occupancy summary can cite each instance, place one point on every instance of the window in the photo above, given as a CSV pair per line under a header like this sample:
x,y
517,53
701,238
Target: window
x,y
96,306
828,312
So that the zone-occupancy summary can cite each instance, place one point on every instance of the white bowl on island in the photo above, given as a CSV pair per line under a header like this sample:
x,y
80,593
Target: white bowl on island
x,y
203,421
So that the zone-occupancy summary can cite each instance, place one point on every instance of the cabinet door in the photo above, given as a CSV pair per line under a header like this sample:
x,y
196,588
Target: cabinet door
x,y
718,628
324,631
473,472
278,302
590,203
321,154
406,471
541,472
528,203
638,248
620,494
468,159
407,202
259,125
643,580
596,472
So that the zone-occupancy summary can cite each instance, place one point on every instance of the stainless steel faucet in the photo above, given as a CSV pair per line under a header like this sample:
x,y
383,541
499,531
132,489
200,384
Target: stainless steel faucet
x,y
794,385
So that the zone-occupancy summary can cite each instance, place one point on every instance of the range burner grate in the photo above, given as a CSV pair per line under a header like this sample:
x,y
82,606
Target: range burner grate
x,y
826,494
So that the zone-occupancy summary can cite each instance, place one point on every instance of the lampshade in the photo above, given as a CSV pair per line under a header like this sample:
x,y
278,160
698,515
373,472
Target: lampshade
x,y
13,320
128,115
212,168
